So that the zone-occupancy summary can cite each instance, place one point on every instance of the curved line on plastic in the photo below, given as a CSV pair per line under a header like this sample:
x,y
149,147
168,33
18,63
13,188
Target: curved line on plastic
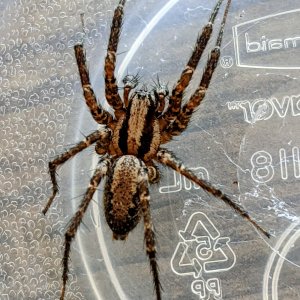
x,y
277,265
160,14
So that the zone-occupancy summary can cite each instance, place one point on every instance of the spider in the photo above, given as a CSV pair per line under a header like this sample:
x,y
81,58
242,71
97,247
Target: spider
x,y
130,142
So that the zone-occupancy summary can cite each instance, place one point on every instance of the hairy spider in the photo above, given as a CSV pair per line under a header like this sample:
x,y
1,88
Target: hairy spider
x,y
131,141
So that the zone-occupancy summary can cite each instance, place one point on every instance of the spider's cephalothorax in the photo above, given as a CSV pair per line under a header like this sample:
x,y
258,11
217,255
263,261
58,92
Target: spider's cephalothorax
x,y
130,142
137,130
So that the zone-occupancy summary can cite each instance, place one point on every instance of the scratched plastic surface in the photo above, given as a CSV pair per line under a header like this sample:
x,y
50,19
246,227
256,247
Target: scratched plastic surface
x,y
245,139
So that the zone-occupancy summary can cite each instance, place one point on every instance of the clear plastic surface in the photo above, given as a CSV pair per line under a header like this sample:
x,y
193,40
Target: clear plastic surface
x,y
244,139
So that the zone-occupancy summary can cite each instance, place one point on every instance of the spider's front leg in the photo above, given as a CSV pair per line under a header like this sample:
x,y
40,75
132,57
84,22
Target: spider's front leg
x,y
184,115
111,88
99,173
177,93
100,136
167,158
100,116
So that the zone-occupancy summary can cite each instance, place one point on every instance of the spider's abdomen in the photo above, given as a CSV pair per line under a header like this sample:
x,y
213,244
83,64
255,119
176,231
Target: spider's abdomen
x,y
121,195
137,132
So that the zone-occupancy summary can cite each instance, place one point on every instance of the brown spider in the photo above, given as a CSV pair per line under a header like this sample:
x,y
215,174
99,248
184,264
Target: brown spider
x,y
131,142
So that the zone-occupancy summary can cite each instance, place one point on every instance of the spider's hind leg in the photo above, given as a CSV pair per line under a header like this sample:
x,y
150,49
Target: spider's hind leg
x,y
167,158
148,229
100,171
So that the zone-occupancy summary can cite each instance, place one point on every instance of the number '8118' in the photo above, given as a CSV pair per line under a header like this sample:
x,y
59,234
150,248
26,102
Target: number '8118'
x,y
263,165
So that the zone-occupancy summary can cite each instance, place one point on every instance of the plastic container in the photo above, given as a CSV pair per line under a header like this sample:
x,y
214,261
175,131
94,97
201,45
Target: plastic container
x,y
244,138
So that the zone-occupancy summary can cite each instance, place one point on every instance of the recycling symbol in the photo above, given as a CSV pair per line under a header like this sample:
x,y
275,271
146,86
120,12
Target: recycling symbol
x,y
201,249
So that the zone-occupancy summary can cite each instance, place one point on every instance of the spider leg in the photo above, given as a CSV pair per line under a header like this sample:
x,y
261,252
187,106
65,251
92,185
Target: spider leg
x,y
167,158
99,135
100,116
148,229
181,121
111,88
186,76
100,171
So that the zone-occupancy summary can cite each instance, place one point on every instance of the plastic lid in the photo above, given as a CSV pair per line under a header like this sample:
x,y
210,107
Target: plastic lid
x,y
244,139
